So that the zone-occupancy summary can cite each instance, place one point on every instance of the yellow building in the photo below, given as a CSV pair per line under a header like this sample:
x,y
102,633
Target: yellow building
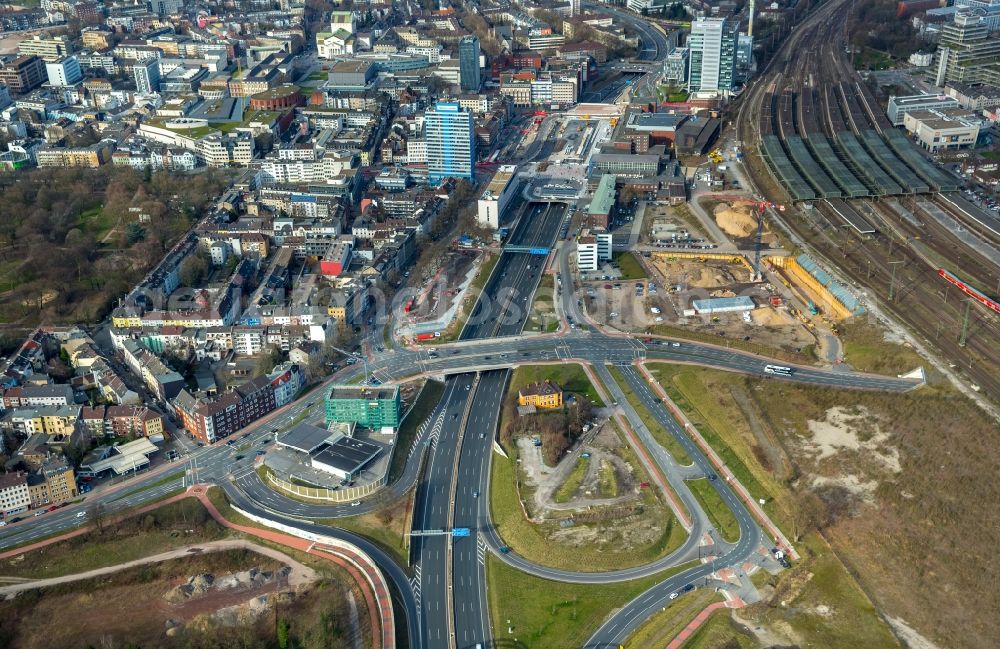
x,y
54,420
61,480
541,395
92,156
53,484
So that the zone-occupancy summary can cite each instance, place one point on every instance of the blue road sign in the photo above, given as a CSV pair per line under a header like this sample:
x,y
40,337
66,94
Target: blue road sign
x,y
460,531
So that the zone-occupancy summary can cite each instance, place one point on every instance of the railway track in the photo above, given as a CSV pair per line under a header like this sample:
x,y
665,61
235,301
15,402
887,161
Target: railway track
x,y
897,267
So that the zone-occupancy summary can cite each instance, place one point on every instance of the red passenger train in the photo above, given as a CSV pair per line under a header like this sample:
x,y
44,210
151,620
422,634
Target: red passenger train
x,y
971,292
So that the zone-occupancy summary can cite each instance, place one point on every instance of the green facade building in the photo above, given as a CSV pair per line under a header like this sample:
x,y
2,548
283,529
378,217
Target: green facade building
x,y
371,407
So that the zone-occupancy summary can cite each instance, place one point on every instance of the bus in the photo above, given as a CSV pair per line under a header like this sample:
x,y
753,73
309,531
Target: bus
x,y
778,369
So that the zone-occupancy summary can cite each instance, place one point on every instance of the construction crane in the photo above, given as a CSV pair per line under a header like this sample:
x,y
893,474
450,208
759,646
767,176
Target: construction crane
x,y
760,208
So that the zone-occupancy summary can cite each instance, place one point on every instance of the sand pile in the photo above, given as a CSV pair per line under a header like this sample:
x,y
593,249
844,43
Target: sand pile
x,y
735,220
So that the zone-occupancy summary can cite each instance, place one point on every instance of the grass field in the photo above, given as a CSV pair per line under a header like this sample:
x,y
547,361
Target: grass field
x,y
629,266
720,632
178,523
903,537
820,601
96,222
566,490
718,513
386,527
570,377
661,434
805,356
866,350
553,615
10,274
428,398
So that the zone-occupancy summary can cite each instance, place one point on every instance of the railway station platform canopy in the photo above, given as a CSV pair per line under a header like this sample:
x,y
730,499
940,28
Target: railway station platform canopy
x,y
794,184
848,182
811,171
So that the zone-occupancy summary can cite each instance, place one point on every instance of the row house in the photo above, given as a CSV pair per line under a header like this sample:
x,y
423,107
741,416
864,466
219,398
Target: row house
x,y
38,395
213,419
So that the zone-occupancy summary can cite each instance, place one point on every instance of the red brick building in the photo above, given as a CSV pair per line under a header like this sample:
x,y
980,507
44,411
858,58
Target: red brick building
x,y
280,98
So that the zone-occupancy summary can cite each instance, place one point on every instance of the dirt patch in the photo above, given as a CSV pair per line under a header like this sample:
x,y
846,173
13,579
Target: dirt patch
x,y
735,220
855,431
909,635
546,480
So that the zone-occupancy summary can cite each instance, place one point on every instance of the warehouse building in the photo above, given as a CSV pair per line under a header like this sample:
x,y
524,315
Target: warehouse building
x,y
715,305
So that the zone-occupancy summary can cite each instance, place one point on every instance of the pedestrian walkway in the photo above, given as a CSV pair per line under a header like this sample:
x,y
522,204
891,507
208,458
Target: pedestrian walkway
x,y
694,625
364,572
299,575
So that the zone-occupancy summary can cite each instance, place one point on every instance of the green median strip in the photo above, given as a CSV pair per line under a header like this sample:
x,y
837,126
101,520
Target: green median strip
x,y
172,477
718,513
660,434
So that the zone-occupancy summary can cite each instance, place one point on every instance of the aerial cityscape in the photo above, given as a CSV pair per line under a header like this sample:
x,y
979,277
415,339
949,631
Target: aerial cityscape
x,y
473,324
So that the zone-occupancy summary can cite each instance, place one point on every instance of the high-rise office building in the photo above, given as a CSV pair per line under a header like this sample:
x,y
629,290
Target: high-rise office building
x,y
451,144
712,55
468,63
744,57
966,52
147,75
64,72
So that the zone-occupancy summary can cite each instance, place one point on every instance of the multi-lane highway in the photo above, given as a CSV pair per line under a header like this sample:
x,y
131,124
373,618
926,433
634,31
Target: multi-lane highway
x,y
432,513
471,511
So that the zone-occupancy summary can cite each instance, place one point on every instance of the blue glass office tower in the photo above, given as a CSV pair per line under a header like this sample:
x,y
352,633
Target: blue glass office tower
x,y
451,142
468,64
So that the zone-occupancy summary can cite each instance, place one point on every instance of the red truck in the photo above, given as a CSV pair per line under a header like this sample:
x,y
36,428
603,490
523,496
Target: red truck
x,y
425,336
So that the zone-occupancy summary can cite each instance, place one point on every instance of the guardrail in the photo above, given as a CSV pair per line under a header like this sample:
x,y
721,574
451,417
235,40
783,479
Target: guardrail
x,y
357,558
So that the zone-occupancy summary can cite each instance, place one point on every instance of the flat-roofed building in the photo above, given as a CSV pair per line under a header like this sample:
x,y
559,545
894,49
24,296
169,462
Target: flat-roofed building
x,y
623,164
495,198
603,202
899,106
372,407
712,305
948,128
591,249
346,458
